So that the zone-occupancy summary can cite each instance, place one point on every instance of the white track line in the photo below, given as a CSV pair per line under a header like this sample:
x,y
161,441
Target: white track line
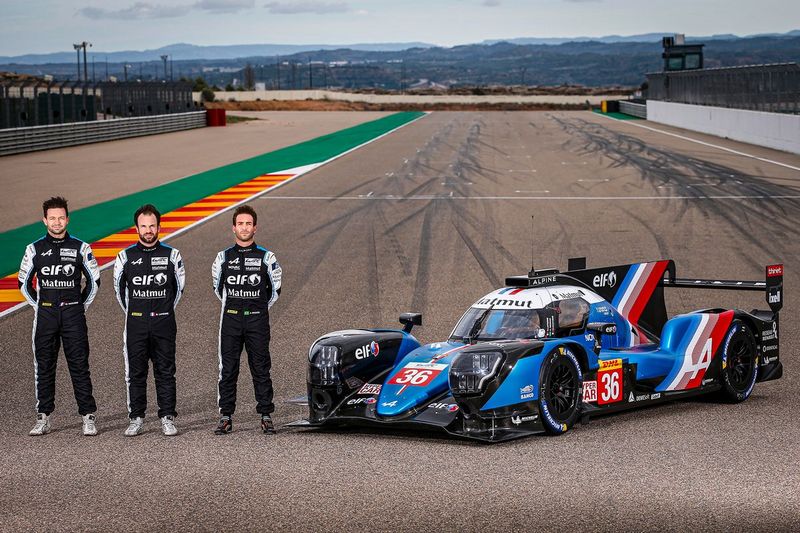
x,y
305,170
540,198
730,150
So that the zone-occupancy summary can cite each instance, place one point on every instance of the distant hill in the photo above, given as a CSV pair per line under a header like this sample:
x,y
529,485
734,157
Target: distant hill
x,y
590,63
183,51
640,38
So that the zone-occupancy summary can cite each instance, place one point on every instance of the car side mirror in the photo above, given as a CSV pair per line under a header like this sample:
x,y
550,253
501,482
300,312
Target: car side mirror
x,y
409,320
602,328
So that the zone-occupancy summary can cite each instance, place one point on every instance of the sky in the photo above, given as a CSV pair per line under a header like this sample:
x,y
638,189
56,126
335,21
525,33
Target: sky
x,y
41,26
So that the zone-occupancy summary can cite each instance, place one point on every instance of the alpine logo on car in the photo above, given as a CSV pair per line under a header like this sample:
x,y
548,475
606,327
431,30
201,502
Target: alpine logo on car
x,y
370,350
607,279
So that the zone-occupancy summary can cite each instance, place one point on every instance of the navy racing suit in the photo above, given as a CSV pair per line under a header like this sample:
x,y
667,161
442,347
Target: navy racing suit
x,y
247,280
50,280
149,282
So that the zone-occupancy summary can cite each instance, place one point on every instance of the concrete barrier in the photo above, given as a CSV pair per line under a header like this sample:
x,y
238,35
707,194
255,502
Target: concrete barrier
x,y
250,96
772,130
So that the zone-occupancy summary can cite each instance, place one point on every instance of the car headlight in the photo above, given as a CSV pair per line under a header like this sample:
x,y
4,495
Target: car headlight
x,y
323,368
470,372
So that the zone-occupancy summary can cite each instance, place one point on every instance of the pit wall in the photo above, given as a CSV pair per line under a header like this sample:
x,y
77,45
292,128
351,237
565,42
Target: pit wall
x,y
772,130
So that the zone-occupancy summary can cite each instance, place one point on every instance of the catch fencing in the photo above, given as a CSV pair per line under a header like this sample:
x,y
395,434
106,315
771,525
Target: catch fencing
x,y
773,88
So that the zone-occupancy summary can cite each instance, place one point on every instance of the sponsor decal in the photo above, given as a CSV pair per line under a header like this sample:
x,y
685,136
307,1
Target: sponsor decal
x,y
138,261
526,392
252,262
638,398
609,381
589,391
770,335
369,350
136,313
774,271
352,382
232,312
370,401
159,314
706,381
234,261
241,293
768,360
243,279
769,348
503,302
589,337
774,297
655,396
159,261
607,279
68,252
149,294
552,421
370,389
389,404
603,309
55,270
416,375
535,282
48,253
567,295
449,407
517,420
56,283
150,279
356,401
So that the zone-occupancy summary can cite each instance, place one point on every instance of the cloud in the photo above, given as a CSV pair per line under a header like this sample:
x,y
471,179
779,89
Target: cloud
x,y
307,6
139,10
146,10
491,3
224,6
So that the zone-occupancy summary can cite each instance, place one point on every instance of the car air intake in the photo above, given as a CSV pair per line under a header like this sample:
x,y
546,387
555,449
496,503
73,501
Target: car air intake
x,y
470,372
324,367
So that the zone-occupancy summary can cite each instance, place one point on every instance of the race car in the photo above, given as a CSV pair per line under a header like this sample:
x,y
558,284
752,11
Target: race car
x,y
548,350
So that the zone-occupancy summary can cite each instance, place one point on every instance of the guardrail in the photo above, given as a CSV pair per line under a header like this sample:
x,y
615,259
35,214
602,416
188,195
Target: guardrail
x,y
635,110
18,140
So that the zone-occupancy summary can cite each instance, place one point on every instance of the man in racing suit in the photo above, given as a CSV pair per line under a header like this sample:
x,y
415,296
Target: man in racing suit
x,y
247,280
50,280
149,280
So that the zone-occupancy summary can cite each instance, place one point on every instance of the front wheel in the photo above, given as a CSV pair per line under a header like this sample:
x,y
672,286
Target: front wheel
x,y
739,363
560,387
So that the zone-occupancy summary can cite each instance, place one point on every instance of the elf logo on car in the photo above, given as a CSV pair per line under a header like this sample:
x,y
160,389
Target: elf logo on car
x,y
55,270
369,350
608,279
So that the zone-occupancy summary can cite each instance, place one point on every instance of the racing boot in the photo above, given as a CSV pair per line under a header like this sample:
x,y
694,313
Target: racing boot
x,y
225,425
267,426
42,426
168,426
90,425
136,427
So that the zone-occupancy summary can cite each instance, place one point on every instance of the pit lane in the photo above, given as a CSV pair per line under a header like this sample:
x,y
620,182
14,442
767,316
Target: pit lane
x,y
428,219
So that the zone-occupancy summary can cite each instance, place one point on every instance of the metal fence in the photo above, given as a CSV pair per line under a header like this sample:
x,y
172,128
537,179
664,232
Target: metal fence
x,y
34,102
18,140
633,109
773,87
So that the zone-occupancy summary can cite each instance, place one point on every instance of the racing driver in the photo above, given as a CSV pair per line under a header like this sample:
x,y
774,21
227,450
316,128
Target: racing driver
x,y
247,279
50,280
149,279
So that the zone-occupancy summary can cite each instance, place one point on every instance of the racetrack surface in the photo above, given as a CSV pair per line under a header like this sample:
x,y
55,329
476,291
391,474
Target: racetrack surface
x,y
429,219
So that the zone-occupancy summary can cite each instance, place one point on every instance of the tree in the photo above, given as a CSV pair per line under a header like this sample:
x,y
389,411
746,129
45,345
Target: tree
x,y
249,77
207,94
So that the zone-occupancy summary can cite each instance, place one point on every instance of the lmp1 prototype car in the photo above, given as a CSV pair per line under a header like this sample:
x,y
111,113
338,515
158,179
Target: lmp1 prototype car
x,y
547,351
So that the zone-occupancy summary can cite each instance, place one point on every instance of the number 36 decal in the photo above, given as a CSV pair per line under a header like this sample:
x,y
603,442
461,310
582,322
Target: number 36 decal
x,y
609,381
417,374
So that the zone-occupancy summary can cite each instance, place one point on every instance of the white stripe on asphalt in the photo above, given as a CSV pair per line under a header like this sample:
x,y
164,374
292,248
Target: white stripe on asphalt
x,y
685,138
392,197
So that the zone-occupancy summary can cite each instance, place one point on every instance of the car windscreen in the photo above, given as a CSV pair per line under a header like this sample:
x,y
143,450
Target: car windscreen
x,y
500,324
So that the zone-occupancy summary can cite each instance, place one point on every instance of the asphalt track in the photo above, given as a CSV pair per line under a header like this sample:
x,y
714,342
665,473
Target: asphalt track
x,y
429,219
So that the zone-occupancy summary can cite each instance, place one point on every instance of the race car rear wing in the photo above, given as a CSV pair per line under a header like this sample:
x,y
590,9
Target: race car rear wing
x,y
772,284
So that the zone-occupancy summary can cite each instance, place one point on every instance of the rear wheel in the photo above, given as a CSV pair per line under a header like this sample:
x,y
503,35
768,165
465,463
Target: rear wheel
x,y
739,363
560,390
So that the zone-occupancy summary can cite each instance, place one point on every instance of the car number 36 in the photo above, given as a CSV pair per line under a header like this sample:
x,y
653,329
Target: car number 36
x,y
414,376
610,386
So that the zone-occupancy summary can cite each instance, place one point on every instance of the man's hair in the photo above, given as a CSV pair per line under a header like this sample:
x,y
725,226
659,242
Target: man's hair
x,y
56,202
146,209
245,210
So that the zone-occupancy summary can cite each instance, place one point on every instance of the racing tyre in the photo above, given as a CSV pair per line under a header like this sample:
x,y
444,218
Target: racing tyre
x,y
739,363
560,386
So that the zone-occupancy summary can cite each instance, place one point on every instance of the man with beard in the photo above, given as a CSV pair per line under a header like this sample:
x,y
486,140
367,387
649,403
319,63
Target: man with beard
x,y
50,280
247,280
149,279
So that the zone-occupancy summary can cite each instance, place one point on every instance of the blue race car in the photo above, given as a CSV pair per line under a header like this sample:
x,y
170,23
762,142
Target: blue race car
x,y
547,351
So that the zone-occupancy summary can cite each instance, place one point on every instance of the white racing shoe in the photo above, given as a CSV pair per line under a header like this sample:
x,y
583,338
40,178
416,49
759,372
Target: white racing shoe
x,y
90,425
168,426
42,426
136,427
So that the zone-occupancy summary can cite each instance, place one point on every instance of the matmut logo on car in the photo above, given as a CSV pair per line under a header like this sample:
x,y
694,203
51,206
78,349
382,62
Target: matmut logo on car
x,y
774,270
